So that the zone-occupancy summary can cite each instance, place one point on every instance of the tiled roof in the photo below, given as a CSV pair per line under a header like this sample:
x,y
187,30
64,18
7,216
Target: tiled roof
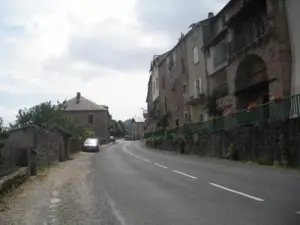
x,y
83,104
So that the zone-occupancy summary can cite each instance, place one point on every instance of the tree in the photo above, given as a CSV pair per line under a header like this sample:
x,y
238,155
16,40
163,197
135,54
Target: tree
x,y
47,115
117,128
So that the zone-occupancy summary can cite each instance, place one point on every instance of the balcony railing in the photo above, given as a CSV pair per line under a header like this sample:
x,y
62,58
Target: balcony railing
x,y
250,33
198,98
286,108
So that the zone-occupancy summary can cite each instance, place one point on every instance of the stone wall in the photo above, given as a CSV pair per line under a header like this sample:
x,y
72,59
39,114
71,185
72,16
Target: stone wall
x,y
267,143
47,147
32,138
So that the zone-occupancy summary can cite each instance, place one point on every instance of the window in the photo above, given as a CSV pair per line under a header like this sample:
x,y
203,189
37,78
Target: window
x,y
156,83
91,118
182,65
166,104
201,118
153,87
208,53
186,117
196,54
220,54
184,89
163,82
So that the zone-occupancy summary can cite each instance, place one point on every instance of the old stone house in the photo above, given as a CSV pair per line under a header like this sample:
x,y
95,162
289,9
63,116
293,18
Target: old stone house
x,y
248,59
153,100
91,115
196,90
138,128
173,77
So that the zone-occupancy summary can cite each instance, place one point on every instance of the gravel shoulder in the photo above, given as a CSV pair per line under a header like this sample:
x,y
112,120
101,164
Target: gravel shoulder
x,y
66,195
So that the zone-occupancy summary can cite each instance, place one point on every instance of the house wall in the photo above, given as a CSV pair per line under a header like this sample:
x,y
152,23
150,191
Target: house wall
x,y
197,70
101,121
45,144
175,79
293,16
137,130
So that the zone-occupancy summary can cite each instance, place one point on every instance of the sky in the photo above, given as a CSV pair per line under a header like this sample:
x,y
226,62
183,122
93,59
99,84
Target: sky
x,y
52,49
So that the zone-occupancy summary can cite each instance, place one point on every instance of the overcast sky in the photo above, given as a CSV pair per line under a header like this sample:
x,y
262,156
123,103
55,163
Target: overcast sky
x,y
51,49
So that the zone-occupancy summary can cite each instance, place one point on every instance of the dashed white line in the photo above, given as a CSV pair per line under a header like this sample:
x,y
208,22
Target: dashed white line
x,y
146,160
161,166
237,192
184,174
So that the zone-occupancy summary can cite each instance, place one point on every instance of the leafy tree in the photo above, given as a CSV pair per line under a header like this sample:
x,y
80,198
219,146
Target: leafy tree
x,y
46,115
117,128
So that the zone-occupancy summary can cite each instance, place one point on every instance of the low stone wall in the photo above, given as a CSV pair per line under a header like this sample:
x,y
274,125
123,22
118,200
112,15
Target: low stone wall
x,y
14,179
47,147
266,143
34,139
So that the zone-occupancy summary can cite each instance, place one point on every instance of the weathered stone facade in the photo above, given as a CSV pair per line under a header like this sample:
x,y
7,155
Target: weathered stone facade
x,y
44,143
91,115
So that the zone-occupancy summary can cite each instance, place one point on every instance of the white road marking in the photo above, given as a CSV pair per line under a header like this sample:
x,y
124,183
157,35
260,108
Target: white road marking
x,y
237,192
184,174
146,160
161,166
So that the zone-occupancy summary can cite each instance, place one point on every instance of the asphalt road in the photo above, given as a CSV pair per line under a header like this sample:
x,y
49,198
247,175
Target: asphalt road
x,y
147,186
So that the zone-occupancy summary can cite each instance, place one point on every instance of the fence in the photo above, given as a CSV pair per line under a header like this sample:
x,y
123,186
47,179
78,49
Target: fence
x,y
285,108
7,161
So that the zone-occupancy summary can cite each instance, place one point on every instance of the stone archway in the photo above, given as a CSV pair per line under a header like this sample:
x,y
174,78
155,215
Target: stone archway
x,y
251,82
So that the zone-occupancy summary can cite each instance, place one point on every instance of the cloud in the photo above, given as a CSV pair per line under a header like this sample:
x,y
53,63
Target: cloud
x,y
173,16
52,49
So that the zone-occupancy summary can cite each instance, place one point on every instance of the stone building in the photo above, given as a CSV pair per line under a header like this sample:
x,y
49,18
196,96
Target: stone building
x,y
173,77
249,57
196,89
91,115
153,112
138,128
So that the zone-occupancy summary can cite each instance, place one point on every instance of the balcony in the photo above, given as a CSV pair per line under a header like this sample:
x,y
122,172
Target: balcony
x,y
198,98
249,34
153,114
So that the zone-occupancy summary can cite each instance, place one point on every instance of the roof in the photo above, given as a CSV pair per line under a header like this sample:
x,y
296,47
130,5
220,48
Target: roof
x,y
137,120
183,38
83,105
157,59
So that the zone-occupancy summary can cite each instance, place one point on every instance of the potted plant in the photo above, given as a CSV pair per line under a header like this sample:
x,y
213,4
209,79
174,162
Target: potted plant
x,y
252,105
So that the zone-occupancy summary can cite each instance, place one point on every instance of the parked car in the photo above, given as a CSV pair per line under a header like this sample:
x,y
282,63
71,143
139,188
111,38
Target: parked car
x,y
91,145
127,137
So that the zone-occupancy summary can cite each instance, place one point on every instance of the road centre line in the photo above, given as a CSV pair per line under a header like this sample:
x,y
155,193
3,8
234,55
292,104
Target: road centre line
x,y
184,174
146,160
237,192
160,165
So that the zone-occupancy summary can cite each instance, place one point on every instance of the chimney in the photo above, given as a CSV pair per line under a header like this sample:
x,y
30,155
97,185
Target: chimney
x,y
210,14
78,97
